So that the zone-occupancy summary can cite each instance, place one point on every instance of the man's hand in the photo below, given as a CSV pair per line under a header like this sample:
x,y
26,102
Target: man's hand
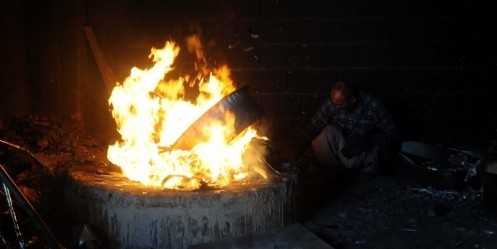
x,y
357,144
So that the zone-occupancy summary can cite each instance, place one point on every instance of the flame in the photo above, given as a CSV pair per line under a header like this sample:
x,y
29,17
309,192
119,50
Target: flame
x,y
151,114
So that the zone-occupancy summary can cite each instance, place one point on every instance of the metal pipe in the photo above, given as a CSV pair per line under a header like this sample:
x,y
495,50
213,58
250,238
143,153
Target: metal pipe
x,y
26,206
12,212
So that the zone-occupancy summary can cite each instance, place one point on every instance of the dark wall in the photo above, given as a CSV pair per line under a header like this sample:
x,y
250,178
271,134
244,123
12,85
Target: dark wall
x,y
432,62
13,83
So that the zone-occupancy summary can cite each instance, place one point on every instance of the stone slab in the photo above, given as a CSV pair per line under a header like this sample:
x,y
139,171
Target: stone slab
x,y
292,236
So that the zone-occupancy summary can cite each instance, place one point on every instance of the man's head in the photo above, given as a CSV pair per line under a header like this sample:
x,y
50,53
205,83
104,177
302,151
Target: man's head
x,y
344,95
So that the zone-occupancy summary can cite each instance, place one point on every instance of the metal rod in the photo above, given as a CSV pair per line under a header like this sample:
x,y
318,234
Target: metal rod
x,y
3,240
26,206
12,212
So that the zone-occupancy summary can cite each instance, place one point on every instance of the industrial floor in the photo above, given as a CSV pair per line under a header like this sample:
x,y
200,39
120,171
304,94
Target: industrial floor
x,y
390,211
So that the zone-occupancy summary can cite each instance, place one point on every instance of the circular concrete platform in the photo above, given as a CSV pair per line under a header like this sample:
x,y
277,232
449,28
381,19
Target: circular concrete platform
x,y
125,214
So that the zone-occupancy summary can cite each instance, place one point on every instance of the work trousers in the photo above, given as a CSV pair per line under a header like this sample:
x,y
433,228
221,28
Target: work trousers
x,y
327,147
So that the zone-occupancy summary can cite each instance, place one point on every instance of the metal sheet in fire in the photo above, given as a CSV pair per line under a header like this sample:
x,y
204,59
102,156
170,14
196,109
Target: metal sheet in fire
x,y
239,103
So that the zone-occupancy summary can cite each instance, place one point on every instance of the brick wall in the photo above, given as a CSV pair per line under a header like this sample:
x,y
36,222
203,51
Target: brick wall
x,y
432,62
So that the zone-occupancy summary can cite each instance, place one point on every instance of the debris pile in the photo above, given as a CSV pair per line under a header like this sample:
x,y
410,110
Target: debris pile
x,y
35,153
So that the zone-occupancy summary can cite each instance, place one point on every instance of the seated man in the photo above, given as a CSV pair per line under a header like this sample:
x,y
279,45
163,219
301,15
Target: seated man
x,y
351,131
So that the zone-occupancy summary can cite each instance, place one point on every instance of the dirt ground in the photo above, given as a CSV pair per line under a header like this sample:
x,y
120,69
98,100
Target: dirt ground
x,y
396,211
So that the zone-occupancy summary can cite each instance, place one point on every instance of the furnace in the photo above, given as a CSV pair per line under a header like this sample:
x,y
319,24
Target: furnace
x,y
190,170
126,214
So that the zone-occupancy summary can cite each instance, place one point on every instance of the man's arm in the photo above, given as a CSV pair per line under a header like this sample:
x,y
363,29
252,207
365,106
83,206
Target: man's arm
x,y
318,121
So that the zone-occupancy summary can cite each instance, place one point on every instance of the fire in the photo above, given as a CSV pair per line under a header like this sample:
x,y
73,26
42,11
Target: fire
x,y
151,114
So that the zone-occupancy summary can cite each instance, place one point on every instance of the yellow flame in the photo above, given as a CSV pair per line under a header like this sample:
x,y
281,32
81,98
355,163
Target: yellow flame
x,y
151,114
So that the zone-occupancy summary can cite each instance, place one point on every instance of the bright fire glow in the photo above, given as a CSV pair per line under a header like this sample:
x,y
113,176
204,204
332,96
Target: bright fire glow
x,y
151,114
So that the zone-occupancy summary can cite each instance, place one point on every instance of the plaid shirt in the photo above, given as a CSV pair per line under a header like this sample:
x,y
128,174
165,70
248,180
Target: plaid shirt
x,y
374,120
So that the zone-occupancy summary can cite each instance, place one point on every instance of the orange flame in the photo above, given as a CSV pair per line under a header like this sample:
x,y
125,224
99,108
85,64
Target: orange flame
x,y
151,113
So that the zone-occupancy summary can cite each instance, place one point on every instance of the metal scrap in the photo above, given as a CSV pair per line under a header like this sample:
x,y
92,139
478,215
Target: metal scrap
x,y
88,240
437,158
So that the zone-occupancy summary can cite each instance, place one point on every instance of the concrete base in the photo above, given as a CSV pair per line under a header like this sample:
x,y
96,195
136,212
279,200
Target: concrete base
x,y
291,236
125,214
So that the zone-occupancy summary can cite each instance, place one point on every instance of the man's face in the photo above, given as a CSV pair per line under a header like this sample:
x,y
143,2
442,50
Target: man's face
x,y
340,101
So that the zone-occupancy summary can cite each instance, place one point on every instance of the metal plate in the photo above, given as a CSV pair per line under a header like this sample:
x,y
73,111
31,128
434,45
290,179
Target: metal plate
x,y
244,108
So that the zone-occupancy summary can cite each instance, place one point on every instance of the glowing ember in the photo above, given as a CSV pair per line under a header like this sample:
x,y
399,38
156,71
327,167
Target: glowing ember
x,y
151,114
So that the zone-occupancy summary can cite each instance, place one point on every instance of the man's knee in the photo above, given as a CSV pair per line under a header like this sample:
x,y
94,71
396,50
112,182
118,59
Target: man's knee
x,y
325,145
328,132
